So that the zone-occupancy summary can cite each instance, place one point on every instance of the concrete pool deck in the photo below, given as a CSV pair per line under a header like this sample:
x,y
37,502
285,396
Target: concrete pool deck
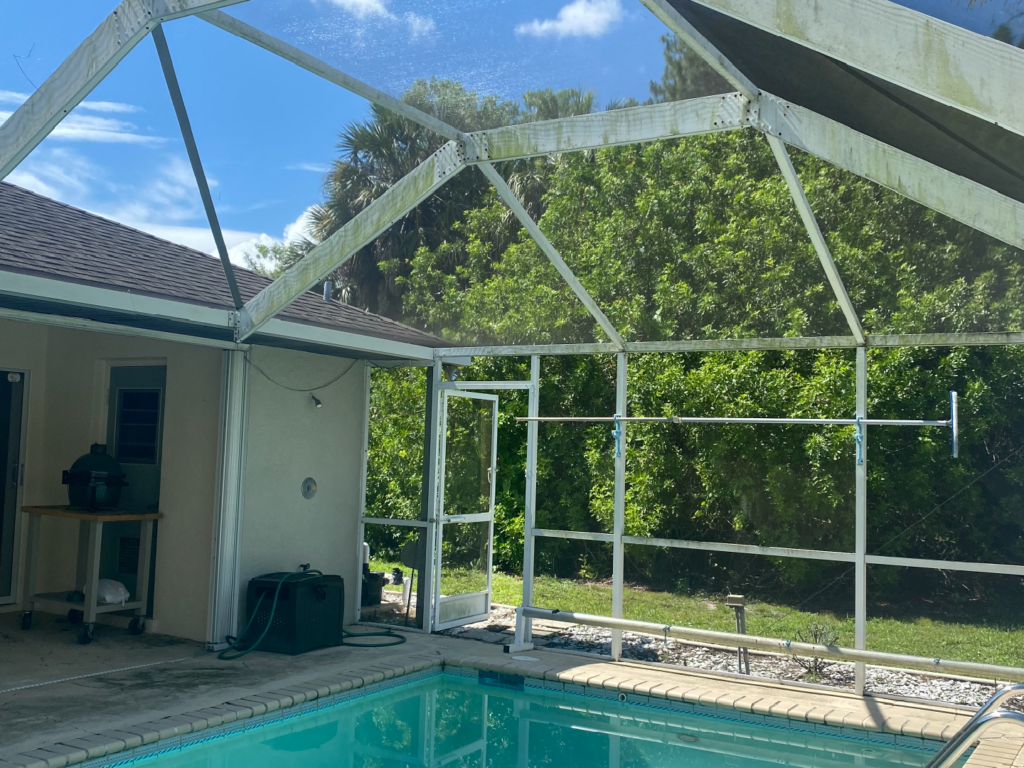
x,y
130,691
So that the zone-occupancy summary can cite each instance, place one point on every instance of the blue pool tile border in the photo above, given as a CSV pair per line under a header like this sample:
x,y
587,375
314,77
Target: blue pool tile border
x,y
718,713
595,693
177,743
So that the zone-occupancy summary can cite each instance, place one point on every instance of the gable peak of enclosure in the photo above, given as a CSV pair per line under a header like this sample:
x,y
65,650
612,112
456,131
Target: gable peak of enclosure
x,y
914,104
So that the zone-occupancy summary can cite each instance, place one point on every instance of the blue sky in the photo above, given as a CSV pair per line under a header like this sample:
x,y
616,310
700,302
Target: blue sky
x,y
266,130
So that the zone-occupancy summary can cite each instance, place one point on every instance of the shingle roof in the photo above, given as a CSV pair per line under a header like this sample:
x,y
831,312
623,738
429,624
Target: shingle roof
x,y
44,237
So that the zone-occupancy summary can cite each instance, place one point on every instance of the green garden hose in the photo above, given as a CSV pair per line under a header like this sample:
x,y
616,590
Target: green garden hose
x,y
223,655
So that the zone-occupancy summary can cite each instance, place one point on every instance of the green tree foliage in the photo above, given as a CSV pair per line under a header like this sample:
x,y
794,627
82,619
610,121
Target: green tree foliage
x,y
699,238
686,75
379,151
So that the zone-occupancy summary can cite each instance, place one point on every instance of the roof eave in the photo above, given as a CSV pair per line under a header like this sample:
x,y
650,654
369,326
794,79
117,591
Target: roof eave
x,y
197,322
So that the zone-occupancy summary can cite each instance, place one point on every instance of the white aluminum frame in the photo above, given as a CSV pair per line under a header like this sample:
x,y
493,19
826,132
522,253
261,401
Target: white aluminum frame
x,y
955,67
15,596
859,558
443,519
225,587
921,53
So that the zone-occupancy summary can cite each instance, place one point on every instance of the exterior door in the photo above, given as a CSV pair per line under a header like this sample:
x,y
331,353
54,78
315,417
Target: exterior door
x,y
134,435
12,397
465,525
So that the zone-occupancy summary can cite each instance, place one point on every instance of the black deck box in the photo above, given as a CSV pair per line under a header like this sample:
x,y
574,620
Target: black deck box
x,y
310,612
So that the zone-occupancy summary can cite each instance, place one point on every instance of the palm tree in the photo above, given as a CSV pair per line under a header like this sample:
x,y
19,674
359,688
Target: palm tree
x,y
376,153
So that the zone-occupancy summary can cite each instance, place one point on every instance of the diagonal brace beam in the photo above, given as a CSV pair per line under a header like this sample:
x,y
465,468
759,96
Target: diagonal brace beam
x,y
362,229
796,189
510,199
700,45
87,65
327,72
174,90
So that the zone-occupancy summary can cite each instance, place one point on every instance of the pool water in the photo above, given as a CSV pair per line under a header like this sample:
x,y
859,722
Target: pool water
x,y
445,720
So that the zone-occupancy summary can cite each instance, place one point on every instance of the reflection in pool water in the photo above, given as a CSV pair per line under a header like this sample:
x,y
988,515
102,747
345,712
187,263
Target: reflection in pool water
x,y
452,721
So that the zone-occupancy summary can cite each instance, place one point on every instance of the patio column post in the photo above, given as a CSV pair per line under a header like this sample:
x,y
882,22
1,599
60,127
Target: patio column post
x,y
619,524
861,531
225,592
428,500
530,521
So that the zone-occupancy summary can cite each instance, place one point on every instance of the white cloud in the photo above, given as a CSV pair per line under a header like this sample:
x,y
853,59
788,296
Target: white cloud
x,y
109,106
60,174
420,26
12,97
363,9
166,206
17,98
581,18
298,229
314,167
85,127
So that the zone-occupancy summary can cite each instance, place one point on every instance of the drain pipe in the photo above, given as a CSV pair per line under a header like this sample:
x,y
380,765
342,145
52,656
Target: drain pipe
x,y
776,645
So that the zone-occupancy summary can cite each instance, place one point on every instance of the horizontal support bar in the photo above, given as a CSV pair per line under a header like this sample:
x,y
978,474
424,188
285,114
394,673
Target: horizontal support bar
x,y
525,350
545,533
479,517
739,345
743,549
787,647
674,119
945,340
735,345
473,385
742,420
401,522
946,565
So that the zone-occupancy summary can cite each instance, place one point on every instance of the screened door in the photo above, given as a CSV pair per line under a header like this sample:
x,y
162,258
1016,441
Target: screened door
x,y
465,524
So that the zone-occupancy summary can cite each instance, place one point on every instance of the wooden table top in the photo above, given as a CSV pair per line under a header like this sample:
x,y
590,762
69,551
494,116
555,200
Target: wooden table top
x,y
101,516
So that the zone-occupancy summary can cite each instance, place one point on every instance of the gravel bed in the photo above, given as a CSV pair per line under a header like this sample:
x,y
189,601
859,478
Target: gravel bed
x,y
766,665
775,666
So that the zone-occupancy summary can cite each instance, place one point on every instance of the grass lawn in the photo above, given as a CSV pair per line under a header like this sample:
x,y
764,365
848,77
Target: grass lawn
x,y
918,636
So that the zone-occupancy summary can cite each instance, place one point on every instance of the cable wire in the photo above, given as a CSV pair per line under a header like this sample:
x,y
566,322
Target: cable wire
x,y
297,389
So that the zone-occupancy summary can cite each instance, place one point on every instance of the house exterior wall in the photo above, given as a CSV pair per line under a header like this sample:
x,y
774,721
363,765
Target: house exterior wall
x,y
68,382
288,439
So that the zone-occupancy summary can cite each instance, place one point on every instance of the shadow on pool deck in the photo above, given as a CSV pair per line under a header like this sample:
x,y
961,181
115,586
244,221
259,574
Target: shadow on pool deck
x,y
182,676
175,686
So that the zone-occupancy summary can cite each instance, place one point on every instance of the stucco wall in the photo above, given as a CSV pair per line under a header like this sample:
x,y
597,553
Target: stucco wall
x,y
289,439
68,404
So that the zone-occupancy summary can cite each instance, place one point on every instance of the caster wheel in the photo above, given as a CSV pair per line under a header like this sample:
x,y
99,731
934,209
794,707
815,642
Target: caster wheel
x,y
136,626
84,636
75,616
26,620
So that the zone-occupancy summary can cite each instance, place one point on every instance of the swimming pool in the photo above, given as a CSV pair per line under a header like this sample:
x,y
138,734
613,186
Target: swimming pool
x,y
482,719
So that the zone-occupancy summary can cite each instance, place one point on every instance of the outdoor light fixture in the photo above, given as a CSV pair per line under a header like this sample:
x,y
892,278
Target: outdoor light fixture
x,y
316,400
